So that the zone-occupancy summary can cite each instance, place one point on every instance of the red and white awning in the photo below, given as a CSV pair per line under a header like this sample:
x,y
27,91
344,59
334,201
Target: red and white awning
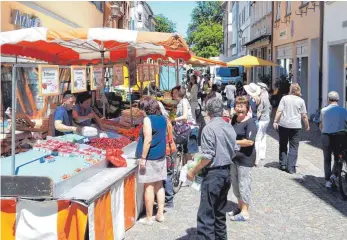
x,y
83,46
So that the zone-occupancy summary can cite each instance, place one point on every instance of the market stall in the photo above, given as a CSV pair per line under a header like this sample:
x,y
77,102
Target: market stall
x,y
81,195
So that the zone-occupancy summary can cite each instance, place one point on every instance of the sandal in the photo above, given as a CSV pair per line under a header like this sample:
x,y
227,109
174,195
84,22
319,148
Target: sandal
x,y
160,220
145,221
239,218
234,212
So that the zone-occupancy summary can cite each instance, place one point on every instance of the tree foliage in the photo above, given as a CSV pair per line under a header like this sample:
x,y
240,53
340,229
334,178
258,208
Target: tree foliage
x,y
164,24
205,32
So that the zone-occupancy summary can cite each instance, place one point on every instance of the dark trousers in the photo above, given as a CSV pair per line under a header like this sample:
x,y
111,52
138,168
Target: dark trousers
x,y
288,158
211,214
330,145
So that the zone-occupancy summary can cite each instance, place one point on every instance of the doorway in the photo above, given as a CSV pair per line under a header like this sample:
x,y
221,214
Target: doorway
x,y
302,76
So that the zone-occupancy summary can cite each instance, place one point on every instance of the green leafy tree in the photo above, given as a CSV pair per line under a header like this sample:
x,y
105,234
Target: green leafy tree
x,y
164,24
207,40
205,31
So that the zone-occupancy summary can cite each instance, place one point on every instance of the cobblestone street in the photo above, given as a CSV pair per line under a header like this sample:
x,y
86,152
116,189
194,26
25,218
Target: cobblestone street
x,y
284,206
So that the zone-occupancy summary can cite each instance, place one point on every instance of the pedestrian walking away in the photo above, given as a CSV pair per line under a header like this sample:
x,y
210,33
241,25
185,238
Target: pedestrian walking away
x,y
218,143
230,92
288,123
333,120
244,160
263,115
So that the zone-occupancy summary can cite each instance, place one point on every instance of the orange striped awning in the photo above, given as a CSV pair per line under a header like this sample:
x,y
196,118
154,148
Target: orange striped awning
x,y
84,46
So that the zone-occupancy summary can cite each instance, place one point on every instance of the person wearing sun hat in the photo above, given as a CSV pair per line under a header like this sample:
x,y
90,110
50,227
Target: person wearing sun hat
x,y
253,91
263,116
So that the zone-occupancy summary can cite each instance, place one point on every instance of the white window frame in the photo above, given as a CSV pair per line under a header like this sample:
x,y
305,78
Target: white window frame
x,y
288,8
278,11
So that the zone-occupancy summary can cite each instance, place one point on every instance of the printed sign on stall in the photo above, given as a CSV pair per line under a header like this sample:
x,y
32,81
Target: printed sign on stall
x,y
78,79
96,78
152,72
131,61
118,76
144,72
49,80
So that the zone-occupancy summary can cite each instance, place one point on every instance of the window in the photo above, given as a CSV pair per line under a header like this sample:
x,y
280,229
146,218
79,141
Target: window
x,y
234,72
139,18
99,5
289,8
243,15
278,12
250,8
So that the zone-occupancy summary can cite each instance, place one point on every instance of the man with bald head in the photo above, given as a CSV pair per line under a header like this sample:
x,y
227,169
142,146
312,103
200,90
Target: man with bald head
x,y
333,120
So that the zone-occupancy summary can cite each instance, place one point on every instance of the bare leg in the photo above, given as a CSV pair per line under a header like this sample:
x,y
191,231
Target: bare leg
x,y
244,208
149,200
159,190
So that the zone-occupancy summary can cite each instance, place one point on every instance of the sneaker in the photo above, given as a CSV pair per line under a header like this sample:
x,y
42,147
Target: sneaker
x,y
239,218
145,221
234,212
333,180
169,205
328,184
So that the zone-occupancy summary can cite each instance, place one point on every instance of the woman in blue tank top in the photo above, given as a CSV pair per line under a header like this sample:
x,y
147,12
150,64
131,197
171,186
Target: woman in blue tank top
x,y
150,151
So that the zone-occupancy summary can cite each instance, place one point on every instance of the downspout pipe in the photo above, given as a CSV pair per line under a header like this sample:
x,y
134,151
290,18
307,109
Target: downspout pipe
x,y
321,33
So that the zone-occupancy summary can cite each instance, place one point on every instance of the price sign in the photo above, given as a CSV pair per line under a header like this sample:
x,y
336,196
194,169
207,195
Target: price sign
x,y
152,72
49,80
131,61
118,76
96,78
78,79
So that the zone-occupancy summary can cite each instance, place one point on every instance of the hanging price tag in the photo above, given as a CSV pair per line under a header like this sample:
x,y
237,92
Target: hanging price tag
x,y
118,76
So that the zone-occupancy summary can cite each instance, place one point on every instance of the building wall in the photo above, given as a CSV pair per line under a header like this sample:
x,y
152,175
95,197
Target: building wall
x,y
334,38
228,19
53,14
235,27
144,17
297,36
244,18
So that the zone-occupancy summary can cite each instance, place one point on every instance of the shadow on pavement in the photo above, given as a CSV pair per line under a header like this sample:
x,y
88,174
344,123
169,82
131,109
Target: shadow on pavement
x,y
316,185
191,235
230,205
313,137
272,165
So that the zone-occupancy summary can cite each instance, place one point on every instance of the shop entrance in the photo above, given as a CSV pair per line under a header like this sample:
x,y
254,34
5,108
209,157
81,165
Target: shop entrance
x,y
302,76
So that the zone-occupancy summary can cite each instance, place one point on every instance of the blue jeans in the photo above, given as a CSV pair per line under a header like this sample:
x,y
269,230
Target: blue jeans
x,y
169,194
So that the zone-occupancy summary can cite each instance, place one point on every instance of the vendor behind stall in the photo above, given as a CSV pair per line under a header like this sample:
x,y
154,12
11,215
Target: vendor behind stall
x,y
82,112
62,118
152,90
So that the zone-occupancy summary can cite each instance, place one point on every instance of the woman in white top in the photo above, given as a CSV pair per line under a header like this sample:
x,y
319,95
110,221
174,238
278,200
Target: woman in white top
x,y
194,89
288,122
184,116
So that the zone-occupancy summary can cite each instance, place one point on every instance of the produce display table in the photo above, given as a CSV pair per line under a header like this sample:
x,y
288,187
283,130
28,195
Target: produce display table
x,y
101,203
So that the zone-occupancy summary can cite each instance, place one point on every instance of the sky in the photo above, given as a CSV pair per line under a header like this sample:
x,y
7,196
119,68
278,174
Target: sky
x,y
177,11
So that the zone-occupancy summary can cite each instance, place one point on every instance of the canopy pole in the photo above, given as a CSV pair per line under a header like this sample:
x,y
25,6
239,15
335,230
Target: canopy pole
x,y
103,77
177,74
13,121
168,77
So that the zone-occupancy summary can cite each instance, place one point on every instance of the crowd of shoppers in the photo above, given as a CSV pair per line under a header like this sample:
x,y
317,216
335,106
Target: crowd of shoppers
x,y
230,151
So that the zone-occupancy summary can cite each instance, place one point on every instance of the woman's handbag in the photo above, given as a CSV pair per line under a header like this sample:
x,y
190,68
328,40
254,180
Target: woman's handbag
x,y
181,133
